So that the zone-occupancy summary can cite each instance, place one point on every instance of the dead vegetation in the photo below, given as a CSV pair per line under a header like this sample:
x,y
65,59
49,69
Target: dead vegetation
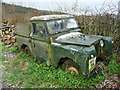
x,y
103,21
15,13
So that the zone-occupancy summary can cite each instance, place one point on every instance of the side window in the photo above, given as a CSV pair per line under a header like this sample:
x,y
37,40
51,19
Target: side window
x,y
39,29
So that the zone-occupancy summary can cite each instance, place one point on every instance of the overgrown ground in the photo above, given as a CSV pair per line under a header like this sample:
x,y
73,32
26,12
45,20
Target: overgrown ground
x,y
23,71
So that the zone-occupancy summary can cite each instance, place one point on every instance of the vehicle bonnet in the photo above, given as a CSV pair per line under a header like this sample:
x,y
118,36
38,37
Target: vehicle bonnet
x,y
77,38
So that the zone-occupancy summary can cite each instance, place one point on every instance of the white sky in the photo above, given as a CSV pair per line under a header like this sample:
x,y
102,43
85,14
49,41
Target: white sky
x,y
92,1
58,0
55,4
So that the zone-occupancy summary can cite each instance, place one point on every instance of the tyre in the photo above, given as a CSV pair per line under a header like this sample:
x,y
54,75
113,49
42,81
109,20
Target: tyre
x,y
27,50
72,67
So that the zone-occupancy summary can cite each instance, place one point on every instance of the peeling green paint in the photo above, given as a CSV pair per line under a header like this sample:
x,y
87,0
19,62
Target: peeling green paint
x,y
72,44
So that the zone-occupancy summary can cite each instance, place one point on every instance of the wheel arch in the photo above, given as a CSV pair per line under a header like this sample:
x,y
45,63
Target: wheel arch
x,y
23,46
62,60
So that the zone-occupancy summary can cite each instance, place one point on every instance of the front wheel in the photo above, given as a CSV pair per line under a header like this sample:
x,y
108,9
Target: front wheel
x,y
72,67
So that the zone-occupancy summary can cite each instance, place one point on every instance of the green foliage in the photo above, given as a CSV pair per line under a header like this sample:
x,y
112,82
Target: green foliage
x,y
9,49
24,72
2,57
3,48
113,67
14,49
43,75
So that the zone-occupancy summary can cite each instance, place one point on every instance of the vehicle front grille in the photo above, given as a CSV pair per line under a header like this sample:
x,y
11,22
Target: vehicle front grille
x,y
99,50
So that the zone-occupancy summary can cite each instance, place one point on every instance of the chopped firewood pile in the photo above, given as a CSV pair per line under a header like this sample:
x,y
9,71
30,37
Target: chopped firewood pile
x,y
8,34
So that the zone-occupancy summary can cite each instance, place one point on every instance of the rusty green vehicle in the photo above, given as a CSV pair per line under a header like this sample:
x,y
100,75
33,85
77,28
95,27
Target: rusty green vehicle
x,y
58,39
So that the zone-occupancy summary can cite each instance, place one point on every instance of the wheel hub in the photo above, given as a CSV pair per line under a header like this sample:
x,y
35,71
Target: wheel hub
x,y
72,69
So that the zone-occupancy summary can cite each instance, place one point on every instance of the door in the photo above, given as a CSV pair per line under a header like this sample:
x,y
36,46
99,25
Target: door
x,y
39,40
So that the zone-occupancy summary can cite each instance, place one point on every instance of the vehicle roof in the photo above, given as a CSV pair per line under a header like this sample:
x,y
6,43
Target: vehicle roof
x,y
50,17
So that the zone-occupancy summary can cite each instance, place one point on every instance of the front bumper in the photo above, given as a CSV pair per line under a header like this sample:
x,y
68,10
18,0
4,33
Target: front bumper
x,y
99,67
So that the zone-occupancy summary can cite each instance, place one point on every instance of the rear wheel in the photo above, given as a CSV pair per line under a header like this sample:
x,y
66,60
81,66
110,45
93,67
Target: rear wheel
x,y
72,67
27,50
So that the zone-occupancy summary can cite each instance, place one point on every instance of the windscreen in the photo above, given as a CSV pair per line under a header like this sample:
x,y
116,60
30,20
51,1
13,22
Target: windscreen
x,y
61,25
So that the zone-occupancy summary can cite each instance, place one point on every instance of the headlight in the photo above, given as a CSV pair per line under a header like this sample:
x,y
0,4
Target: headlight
x,y
112,41
92,56
101,43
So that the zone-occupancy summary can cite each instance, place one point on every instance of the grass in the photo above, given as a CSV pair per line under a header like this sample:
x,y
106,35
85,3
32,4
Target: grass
x,y
43,76
7,49
24,72
113,67
2,58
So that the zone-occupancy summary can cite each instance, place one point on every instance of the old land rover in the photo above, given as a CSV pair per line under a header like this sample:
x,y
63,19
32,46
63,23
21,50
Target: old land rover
x,y
58,39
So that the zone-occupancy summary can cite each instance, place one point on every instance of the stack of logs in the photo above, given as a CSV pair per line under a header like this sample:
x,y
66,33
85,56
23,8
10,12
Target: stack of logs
x,y
8,34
